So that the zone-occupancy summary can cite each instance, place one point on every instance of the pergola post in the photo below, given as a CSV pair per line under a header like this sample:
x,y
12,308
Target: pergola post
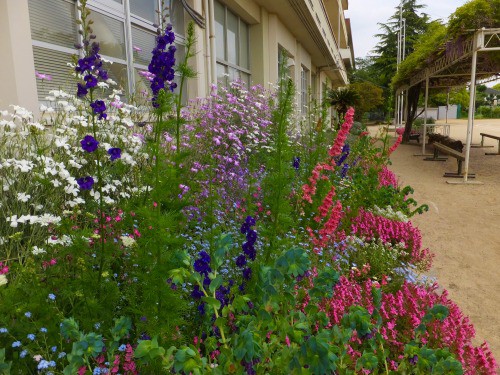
x,y
425,113
472,95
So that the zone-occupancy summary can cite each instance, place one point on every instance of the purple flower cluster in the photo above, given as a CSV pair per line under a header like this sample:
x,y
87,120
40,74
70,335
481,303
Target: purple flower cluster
x,y
296,163
249,252
162,63
85,183
249,246
115,153
91,68
99,108
89,143
341,159
232,127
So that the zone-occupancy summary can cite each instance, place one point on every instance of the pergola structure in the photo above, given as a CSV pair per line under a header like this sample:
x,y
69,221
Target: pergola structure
x,y
469,63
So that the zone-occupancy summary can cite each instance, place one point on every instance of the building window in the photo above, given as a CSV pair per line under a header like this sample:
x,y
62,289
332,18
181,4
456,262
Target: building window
x,y
232,41
286,64
304,88
124,30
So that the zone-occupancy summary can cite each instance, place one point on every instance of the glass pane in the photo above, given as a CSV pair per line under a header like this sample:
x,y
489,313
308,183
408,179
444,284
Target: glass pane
x,y
145,9
232,38
221,75
245,78
220,40
180,53
244,63
118,73
110,35
143,43
53,21
234,75
177,16
142,84
53,63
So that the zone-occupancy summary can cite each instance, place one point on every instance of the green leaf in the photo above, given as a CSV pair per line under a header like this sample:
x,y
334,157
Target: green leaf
x,y
215,283
367,361
121,328
324,283
142,349
214,302
293,262
223,245
69,329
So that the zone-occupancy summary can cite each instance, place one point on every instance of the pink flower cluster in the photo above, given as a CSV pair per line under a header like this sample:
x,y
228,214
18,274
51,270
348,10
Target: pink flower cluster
x,y
371,226
387,178
3,268
309,190
395,145
402,312
336,149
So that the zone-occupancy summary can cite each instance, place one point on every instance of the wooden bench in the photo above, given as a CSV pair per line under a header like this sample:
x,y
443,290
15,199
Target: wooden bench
x,y
440,148
493,137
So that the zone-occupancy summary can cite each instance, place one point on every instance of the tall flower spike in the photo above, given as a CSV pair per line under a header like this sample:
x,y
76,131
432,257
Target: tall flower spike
x,y
162,63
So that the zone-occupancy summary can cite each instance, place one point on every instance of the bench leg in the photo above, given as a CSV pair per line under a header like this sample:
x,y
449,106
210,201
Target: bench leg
x,y
436,157
494,153
459,172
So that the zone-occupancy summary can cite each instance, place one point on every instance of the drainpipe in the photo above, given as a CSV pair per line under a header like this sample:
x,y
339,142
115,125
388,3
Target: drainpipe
x,y
208,49
211,27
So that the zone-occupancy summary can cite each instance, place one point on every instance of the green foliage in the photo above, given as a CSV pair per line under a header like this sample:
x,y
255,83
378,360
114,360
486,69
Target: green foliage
x,y
425,47
473,15
370,97
280,173
342,98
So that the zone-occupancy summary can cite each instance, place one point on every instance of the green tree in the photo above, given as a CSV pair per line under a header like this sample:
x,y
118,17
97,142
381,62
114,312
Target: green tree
x,y
341,99
370,97
385,58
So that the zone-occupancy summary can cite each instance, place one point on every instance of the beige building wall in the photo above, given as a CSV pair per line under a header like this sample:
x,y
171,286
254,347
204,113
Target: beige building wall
x,y
17,69
271,27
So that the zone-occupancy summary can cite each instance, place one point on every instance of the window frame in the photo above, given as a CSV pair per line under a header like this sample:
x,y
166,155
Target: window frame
x,y
223,61
122,13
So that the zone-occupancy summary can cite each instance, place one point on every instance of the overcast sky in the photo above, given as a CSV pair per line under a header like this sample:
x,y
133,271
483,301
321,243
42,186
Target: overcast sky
x,y
366,14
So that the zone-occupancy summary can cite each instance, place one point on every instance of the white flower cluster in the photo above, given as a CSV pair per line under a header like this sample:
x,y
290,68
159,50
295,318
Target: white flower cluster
x,y
40,162
389,213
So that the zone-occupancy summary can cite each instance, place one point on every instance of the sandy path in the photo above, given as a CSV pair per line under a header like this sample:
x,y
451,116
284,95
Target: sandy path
x,y
462,226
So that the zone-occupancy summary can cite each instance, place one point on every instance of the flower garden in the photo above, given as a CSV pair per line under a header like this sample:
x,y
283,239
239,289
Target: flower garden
x,y
226,236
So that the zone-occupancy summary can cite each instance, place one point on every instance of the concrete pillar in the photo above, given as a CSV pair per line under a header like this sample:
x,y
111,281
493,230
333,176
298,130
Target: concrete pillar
x,y
260,55
17,68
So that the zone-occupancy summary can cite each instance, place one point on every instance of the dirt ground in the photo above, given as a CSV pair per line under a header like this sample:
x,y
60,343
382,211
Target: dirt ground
x,y
462,226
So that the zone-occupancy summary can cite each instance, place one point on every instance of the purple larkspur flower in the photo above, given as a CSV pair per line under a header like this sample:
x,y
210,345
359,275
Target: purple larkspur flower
x,y
90,81
85,183
196,293
82,90
244,228
115,153
89,143
162,63
99,108
250,221
241,261
296,163
251,236
247,273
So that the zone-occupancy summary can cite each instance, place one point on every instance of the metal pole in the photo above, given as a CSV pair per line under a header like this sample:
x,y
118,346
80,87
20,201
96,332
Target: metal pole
x,y
425,112
447,104
472,94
